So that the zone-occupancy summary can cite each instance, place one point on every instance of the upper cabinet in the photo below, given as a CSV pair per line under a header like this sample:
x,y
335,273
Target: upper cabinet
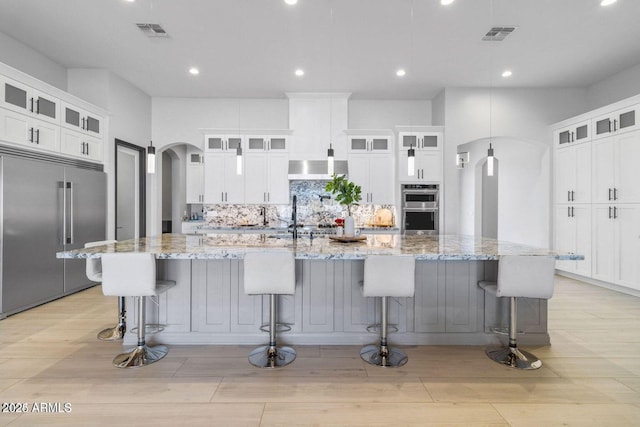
x,y
427,145
29,101
219,143
619,121
420,140
81,120
39,117
372,143
277,143
576,133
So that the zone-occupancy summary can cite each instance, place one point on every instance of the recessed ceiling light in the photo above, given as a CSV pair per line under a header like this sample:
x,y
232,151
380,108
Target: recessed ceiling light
x,y
299,72
607,2
446,2
194,71
506,73
291,2
401,72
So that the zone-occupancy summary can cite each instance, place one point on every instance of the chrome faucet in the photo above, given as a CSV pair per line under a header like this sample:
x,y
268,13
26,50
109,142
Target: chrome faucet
x,y
263,213
294,216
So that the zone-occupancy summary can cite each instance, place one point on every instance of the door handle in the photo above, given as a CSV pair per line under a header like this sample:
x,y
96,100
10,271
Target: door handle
x,y
70,187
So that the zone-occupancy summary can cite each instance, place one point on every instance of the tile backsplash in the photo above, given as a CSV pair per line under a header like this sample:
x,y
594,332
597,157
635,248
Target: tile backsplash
x,y
312,209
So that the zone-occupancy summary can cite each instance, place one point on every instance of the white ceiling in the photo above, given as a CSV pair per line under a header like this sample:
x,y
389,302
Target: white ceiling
x,y
250,48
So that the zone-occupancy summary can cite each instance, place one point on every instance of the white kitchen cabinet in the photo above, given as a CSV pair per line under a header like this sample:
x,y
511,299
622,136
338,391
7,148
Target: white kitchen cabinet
x,y
80,145
575,133
616,244
26,100
573,174
266,180
428,167
81,120
222,184
428,156
195,178
276,143
374,173
29,131
616,175
573,235
419,140
374,143
223,143
616,122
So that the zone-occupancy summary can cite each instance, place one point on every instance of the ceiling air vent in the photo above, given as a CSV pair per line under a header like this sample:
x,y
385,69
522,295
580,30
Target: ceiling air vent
x,y
152,30
497,34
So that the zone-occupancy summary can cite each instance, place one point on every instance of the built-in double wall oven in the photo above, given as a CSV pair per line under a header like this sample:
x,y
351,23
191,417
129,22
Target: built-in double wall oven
x,y
420,206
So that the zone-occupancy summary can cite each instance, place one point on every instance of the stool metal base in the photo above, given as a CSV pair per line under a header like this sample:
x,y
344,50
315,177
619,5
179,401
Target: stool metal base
x,y
272,357
514,357
112,334
383,356
141,355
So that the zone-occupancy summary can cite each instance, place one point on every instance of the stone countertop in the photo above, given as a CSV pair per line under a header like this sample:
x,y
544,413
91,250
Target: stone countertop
x,y
278,229
234,246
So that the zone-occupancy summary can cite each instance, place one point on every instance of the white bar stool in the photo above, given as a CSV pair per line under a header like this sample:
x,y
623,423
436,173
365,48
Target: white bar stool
x,y
387,276
94,273
520,276
134,274
271,273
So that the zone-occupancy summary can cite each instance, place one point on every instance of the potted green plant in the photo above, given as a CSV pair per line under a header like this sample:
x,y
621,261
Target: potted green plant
x,y
346,193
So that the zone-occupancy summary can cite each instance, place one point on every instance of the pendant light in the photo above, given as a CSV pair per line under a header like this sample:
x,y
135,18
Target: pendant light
x,y
239,159
330,160
490,161
151,158
330,153
411,161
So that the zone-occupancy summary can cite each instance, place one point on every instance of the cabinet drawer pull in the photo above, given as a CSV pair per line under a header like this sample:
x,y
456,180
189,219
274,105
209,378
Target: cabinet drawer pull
x,y
609,193
615,125
30,134
615,212
615,193
609,212
37,136
568,211
572,212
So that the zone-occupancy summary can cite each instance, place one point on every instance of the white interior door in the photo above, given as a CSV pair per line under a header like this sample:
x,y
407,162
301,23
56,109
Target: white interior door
x,y
127,193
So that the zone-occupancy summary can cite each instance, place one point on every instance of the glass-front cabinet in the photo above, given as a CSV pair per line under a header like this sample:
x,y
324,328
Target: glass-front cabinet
x,y
80,120
278,143
214,143
623,120
377,143
27,100
576,133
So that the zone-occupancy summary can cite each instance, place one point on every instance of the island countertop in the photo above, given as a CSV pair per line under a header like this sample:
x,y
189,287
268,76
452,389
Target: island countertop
x,y
234,246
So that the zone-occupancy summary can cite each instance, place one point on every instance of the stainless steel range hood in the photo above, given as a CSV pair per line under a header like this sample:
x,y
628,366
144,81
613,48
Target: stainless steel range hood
x,y
315,169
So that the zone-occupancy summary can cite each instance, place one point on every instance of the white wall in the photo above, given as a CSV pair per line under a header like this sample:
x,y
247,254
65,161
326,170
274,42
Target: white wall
x,y
129,120
385,114
614,88
20,56
182,119
516,114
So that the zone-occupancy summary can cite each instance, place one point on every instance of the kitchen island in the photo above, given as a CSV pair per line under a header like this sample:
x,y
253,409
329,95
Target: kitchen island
x,y
208,304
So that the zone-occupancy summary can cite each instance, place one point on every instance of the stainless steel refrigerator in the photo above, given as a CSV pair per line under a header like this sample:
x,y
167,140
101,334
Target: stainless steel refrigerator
x,y
47,205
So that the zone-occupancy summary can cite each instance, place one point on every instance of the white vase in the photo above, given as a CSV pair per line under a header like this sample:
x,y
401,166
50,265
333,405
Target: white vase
x,y
349,226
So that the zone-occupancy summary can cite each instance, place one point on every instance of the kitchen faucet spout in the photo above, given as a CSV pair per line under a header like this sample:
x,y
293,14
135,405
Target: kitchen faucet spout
x,y
294,216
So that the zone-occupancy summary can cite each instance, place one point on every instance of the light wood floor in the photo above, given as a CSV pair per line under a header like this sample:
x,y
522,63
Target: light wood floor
x,y
590,377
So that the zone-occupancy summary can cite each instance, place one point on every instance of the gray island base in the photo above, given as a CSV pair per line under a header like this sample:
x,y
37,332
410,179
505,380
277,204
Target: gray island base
x,y
208,305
